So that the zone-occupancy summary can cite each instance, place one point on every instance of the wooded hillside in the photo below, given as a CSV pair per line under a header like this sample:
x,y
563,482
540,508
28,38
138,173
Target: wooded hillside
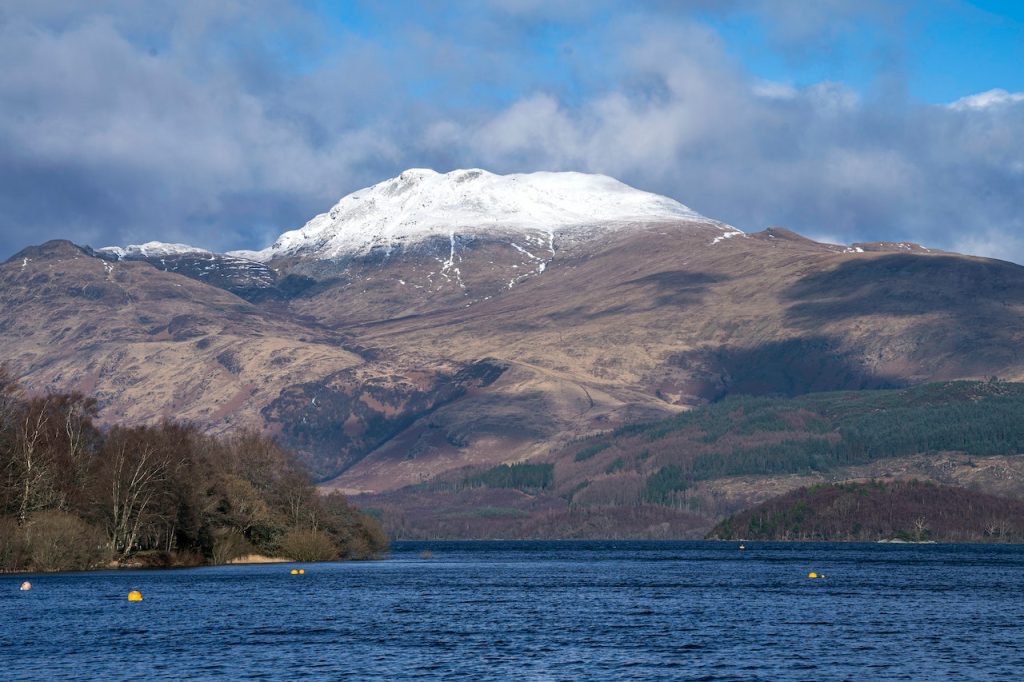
x,y
747,436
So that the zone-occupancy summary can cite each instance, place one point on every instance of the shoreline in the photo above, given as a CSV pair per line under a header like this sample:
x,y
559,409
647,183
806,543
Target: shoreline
x,y
261,559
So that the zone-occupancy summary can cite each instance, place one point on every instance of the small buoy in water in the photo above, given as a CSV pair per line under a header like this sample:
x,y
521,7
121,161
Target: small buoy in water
x,y
26,586
426,554
302,571
295,571
812,575
743,546
134,595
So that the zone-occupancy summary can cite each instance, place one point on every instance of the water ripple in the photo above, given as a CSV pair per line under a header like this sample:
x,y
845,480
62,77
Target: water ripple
x,y
543,611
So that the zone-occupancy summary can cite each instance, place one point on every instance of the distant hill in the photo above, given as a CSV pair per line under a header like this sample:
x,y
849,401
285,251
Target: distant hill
x,y
906,510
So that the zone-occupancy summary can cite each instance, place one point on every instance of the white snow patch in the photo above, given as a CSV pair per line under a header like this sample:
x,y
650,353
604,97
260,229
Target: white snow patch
x,y
24,262
522,250
541,263
449,264
726,235
151,250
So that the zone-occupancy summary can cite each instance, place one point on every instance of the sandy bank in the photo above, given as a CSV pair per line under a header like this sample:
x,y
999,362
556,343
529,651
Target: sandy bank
x,y
259,559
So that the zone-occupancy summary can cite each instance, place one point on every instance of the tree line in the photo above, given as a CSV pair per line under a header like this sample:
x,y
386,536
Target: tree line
x,y
74,496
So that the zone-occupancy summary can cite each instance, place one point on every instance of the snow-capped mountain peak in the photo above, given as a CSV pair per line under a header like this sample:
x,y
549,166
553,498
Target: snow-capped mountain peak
x,y
422,203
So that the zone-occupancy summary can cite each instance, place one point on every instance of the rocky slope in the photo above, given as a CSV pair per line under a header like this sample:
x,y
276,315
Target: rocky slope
x,y
438,321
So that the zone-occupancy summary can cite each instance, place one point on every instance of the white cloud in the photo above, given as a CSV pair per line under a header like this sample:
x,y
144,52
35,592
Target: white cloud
x,y
988,99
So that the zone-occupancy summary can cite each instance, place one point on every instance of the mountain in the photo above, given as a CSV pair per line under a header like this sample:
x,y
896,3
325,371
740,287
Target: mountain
x,y
435,323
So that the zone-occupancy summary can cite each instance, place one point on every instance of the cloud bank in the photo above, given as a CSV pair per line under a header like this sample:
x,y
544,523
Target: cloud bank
x,y
224,124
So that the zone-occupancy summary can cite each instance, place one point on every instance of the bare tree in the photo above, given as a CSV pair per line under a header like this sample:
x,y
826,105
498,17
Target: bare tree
x,y
32,466
137,470
998,527
920,528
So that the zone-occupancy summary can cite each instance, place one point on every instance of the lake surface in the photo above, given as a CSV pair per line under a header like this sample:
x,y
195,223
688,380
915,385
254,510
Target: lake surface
x,y
538,610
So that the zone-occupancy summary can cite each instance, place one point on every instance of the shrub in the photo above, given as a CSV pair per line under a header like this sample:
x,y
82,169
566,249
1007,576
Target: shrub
x,y
374,537
230,545
308,545
58,541
13,552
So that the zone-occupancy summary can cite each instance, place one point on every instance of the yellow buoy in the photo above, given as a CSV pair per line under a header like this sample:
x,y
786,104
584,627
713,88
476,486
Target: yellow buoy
x,y
134,595
26,586
302,571
812,575
295,571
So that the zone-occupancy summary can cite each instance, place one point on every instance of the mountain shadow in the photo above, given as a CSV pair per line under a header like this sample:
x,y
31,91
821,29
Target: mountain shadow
x,y
907,284
789,368
677,287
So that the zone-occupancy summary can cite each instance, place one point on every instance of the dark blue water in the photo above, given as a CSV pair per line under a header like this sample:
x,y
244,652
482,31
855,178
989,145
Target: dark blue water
x,y
538,610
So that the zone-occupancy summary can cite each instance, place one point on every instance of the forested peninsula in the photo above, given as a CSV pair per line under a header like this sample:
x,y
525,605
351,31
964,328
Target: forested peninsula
x,y
74,496
908,511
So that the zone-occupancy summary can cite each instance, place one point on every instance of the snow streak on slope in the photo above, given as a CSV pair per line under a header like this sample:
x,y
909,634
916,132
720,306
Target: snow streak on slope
x,y
421,204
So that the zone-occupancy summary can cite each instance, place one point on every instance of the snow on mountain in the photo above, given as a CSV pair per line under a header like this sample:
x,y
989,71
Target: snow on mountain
x,y
421,203
151,250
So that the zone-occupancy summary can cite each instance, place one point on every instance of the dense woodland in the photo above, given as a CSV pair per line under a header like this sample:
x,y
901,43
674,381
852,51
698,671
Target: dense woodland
x,y
905,510
74,496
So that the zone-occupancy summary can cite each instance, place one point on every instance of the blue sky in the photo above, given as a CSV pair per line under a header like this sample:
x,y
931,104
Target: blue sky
x,y
222,124
946,48
942,49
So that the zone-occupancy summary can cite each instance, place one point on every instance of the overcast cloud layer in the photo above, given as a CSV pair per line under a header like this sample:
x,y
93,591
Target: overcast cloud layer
x,y
224,124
